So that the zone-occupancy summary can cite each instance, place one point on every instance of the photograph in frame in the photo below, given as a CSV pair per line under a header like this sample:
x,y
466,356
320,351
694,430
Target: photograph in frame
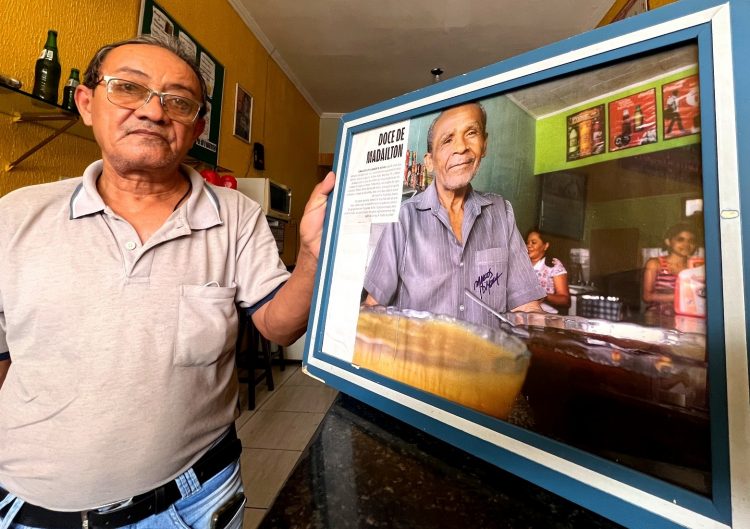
x,y
243,114
424,306
681,112
632,121
611,384
586,133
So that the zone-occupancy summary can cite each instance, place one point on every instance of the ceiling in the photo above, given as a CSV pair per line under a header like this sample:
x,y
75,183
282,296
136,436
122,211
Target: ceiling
x,y
344,55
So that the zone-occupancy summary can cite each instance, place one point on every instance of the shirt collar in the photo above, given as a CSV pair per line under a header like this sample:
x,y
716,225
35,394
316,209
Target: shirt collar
x,y
203,210
429,200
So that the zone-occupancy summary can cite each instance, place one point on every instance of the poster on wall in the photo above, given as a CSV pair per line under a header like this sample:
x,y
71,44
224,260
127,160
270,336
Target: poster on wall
x,y
632,121
585,133
155,21
681,112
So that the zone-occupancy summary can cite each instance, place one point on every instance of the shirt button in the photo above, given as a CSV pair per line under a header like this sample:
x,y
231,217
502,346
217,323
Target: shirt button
x,y
130,245
461,308
461,264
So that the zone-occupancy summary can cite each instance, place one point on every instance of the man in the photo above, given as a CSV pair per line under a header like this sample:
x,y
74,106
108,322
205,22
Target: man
x,y
451,239
672,112
117,310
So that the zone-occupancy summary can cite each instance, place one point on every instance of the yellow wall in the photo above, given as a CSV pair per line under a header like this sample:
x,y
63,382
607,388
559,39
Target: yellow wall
x,y
282,119
23,27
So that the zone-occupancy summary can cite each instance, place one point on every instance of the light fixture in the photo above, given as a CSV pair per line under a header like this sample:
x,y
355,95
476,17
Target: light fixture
x,y
436,73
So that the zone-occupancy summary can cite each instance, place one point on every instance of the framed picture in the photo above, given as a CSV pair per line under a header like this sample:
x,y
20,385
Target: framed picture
x,y
632,121
243,114
643,420
586,133
681,109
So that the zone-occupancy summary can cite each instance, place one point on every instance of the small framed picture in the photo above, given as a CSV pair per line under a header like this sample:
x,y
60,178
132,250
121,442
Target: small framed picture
x,y
243,114
681,107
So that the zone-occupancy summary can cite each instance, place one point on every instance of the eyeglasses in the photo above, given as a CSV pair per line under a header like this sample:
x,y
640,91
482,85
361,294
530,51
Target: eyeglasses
x,y
128,94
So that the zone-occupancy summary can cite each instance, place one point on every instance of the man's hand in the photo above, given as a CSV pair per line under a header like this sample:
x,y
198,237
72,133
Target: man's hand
x,y
311,225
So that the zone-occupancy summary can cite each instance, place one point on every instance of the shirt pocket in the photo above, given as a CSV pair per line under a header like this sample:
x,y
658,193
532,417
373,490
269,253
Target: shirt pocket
x,y
206,324
488,280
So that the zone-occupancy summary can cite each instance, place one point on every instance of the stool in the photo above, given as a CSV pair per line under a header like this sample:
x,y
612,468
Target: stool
x,y
256,356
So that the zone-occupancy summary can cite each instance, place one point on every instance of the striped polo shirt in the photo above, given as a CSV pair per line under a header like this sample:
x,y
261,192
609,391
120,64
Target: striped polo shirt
x,y
419,264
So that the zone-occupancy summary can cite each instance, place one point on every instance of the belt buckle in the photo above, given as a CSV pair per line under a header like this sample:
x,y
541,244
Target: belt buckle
x,y
104,510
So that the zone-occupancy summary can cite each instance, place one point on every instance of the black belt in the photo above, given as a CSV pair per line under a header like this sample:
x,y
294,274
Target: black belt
x,y
220,456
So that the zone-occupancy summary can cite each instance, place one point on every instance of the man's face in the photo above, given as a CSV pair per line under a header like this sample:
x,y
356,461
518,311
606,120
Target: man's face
x,y
146,138
458,145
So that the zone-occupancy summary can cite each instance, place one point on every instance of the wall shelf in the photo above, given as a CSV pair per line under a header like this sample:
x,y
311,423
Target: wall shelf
x,y
22,107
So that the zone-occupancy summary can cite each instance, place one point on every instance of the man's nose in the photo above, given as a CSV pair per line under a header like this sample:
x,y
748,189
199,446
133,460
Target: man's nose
x,y
459,144
152,109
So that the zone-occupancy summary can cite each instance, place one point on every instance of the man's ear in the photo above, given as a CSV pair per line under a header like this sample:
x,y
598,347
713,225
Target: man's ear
x,y
84,97
428,162
200,124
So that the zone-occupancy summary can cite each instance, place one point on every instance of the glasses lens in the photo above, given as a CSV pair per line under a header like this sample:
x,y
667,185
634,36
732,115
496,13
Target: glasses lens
x,y
126,93
180,108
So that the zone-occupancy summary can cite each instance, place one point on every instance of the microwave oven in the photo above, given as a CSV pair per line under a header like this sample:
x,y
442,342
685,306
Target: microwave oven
x,y
275,199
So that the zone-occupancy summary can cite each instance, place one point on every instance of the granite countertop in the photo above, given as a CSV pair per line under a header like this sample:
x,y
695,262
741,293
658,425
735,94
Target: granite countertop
x,y
365,469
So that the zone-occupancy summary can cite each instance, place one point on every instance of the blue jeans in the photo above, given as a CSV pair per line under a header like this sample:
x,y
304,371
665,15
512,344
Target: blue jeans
x,y
193,511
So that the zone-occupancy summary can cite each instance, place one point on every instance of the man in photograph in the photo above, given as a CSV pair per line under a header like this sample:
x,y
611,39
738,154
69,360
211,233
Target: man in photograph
x,y
672,112
451,240
118,313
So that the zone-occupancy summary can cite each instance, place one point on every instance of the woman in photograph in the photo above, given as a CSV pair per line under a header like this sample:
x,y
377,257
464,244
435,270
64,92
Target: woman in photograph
x,y
660,273
551,273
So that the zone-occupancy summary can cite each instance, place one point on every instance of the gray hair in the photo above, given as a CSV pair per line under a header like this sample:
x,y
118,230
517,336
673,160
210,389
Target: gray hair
x,y
431,130
92,75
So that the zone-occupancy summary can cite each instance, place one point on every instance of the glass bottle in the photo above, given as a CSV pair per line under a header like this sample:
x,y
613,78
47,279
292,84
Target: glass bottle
x,y
573,143
68,100
47,70
638,117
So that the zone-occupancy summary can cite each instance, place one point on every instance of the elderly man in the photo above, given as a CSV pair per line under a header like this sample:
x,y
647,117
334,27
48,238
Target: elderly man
x,y
450,239
117,310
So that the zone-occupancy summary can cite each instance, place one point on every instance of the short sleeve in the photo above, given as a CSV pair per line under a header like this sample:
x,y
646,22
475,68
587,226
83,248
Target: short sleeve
x,y
523,283
260,270
557,268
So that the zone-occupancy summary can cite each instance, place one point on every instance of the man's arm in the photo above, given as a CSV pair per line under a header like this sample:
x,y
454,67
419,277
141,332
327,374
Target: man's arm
x,y
4,366
284,318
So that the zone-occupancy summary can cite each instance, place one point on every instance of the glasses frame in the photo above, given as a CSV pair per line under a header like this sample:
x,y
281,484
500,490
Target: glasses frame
x,y
106,79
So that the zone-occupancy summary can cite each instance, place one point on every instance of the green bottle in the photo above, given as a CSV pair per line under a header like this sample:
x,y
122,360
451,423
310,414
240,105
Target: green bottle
x,y
68,100
47,70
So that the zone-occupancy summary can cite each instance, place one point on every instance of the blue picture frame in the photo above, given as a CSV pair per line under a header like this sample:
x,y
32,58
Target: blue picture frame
x,y
629,497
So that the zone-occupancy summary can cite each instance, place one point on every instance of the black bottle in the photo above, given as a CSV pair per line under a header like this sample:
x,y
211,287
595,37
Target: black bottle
x,y
68,100
47,70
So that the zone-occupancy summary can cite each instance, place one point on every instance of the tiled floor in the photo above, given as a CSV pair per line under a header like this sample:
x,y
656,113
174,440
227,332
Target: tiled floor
x,y
275,434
